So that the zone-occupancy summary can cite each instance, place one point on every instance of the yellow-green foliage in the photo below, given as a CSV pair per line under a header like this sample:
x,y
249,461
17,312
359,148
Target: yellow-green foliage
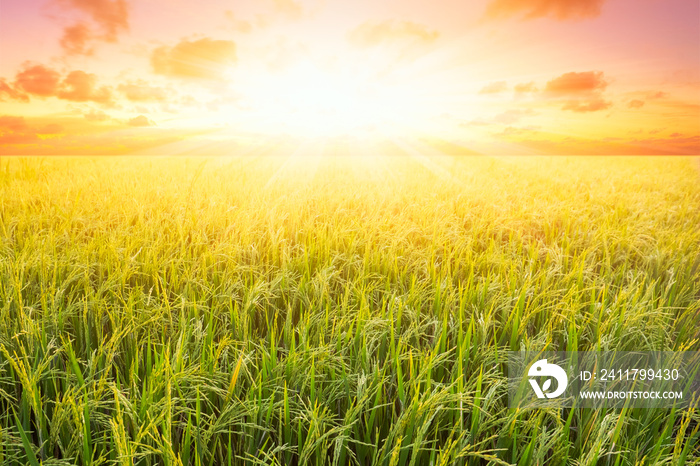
x,y
335,309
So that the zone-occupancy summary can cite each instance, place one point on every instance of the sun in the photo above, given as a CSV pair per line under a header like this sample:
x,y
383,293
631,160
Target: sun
x,y
324,102
311,100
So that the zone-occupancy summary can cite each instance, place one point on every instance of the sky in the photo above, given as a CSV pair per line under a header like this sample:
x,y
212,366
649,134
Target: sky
x,y
224,76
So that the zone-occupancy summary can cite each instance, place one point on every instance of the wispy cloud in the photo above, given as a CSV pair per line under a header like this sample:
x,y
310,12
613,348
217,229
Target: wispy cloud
x,y
373,33
559,9
199,59
494,88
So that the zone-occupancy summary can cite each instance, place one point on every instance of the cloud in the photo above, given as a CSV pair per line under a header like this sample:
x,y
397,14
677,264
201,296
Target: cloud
x,y
96,115
657,95
41,81
547,143
200,59
531,9
108,17
79,86
507,118
475,122
509,131
289,8
15,130
636,103
7,92
75,135
140,121
577,83
494,88
525,87
141,91
38,80
13,123
684,77
76,38
373,33
111,16
16,138
284,53
592,105
582,91
51,128
238,25
513,116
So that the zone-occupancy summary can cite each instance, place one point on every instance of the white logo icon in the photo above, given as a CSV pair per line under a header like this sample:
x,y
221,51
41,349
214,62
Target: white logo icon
x,y
542,368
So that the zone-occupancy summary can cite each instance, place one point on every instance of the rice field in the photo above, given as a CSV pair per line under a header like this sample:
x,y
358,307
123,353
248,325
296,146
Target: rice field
x,y
338,309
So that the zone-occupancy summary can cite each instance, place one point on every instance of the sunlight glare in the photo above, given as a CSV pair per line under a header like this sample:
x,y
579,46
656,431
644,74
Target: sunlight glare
x,y
309,100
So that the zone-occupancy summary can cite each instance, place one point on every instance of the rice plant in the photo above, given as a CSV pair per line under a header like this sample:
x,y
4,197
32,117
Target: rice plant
x,y
341,310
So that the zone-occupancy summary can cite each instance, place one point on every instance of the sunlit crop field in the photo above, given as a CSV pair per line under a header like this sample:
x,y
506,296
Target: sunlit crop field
x,y
331,308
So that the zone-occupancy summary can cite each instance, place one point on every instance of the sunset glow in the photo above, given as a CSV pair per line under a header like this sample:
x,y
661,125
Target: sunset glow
x,y
348,233
490,76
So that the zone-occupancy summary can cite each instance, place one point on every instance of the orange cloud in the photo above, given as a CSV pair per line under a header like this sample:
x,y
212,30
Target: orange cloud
x,y
8,92
550,143
41,81
112,16
80,86
17,138
494,88
531,9
636,103
372,33
592,105
13,123
51,128
38,80
577,83
202,59
140,121
76,135
76,38
583,90
15,130
141,91
109,17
